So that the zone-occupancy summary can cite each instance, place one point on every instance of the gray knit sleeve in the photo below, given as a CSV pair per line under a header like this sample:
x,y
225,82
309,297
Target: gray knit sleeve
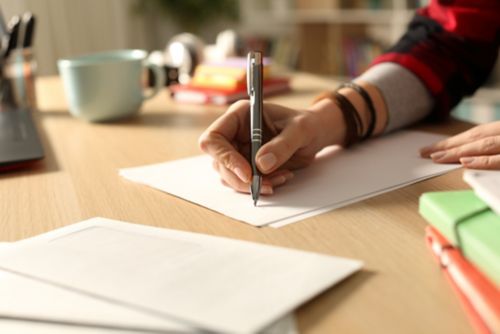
x,y
406,97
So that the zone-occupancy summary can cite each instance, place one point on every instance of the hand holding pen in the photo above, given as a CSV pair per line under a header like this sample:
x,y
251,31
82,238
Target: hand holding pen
x,y
291,138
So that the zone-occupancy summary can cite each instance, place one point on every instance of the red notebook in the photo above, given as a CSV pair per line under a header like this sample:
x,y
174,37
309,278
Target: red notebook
x,y
480,298
198,95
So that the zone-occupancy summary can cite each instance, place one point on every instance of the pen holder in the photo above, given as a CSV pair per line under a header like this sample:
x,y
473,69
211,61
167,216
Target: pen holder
x,y
18,79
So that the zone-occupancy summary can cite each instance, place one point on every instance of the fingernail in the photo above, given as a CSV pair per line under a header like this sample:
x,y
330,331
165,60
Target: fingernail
x,y
278,180
466,160
267,161
438,155
243,177
424,152
425,149
266,189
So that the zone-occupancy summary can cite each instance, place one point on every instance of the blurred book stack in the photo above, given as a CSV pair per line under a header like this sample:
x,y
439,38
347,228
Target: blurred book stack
x,y
223,83
464,237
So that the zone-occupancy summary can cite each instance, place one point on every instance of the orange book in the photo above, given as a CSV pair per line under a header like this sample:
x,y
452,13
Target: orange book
x,y
200,95
231,75
479,296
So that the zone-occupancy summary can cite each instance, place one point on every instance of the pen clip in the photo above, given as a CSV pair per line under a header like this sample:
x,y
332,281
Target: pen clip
x,y
250,61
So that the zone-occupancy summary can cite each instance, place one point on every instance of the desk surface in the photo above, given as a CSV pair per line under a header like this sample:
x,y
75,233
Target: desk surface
x,y
400,290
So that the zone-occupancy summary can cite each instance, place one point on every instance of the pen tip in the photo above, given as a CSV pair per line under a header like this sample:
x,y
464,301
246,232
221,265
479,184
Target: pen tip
x,y
254,202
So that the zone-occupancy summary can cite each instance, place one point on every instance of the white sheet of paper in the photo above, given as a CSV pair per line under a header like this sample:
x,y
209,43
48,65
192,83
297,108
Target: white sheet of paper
x,y
338,178
200,281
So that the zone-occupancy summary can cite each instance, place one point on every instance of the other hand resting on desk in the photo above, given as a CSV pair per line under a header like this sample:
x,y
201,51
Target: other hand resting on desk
x,y
477,148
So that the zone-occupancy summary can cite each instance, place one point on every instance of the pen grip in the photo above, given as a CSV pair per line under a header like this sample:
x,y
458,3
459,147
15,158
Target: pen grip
x,y
256,145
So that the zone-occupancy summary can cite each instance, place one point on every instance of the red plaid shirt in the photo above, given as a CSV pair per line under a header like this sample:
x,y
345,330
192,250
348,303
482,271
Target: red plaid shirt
x,y
451,46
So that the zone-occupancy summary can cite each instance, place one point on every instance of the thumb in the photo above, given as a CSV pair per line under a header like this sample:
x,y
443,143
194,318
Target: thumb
x,y
278,150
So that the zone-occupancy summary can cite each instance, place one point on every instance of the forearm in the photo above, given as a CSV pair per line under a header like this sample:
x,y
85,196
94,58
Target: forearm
x,y
405,99
451,48
330,120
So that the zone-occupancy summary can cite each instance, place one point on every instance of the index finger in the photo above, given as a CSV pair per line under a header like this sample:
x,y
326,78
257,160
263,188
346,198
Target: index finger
x,y
454,141
217,138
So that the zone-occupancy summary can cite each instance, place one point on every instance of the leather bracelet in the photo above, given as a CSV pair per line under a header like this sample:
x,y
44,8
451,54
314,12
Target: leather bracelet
x,y
368,100
354,126
352,120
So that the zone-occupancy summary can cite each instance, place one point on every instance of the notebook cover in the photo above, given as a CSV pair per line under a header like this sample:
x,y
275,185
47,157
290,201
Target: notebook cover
x,y
486,185
479,292
479,230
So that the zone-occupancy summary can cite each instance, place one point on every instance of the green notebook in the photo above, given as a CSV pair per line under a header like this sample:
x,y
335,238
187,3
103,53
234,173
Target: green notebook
x,y
478,227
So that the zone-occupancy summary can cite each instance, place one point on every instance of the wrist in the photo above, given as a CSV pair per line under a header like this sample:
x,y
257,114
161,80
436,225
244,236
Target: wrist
x,y
362,108
330,122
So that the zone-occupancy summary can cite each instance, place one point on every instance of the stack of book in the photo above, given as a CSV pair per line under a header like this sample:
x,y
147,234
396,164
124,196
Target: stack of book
x,y
225,83
464,236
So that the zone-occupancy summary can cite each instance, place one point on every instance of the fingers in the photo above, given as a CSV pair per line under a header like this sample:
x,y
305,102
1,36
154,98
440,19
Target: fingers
x,y
478,132
216,141
227,140
279,149
229,179
278,178
482,162
483,153
481,147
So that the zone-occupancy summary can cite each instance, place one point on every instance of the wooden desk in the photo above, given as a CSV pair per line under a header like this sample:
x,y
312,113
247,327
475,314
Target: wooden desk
x,y
400,290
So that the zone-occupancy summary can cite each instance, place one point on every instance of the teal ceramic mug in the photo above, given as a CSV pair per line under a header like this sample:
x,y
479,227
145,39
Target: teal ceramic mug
x,y
109,85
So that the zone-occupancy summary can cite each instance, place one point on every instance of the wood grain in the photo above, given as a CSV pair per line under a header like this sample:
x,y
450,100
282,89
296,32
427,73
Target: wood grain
x,y
400,290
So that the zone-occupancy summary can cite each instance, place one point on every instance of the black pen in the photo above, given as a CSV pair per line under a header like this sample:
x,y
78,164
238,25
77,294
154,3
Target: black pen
x,y
254,86
29,29
14,25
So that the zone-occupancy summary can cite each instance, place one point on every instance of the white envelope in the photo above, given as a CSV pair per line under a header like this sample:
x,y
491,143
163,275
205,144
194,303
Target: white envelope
x,y
164,277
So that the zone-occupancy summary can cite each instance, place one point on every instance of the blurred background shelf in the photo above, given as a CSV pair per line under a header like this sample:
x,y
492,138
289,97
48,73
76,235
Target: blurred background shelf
x,y
335,38
332,37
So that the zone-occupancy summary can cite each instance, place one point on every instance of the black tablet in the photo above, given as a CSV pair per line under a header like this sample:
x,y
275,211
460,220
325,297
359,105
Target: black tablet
x,y
19,140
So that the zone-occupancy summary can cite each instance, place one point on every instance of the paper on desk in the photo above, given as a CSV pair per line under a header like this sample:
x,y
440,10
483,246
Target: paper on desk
x,y
200,281
338,178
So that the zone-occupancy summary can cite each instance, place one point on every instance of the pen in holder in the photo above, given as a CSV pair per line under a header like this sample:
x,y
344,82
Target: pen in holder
x,y
18,79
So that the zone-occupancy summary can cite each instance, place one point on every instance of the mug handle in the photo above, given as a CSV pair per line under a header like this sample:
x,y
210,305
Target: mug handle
x,y
159,76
